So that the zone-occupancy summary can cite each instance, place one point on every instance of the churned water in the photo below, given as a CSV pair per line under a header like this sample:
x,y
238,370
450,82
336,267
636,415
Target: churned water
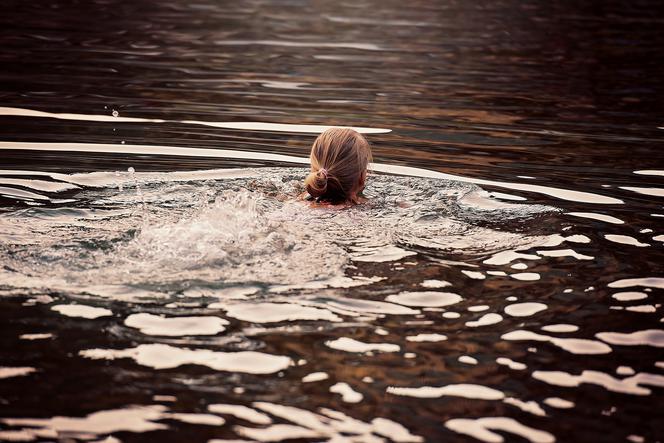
x,y
161,281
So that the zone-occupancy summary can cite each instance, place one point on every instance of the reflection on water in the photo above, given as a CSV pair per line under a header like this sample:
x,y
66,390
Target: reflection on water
x,y
159,281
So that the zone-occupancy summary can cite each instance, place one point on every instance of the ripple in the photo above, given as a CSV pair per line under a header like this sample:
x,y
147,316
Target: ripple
x,y
481,429
649,337
435,284
464,390
35,336
600,217
485,320
241,412
244,126
381,254
136,419
625,240
328,424
524,309
8,372
82,311
420,338
160,356
277,312
648,282
563,194
572,345
565,253
629,385
347,393
175,326
314,377
467,359
656,192
425,298
352,345
526,276
560,328
557,402
514,365
629,296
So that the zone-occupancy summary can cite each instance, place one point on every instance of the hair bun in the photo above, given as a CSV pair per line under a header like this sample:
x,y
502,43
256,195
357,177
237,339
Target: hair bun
x,y
316,182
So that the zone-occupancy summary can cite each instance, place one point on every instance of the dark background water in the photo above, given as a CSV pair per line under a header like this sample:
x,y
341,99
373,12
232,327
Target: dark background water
x,y
567,92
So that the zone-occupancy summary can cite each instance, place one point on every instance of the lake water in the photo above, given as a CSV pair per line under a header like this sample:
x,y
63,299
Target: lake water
x,y
161,282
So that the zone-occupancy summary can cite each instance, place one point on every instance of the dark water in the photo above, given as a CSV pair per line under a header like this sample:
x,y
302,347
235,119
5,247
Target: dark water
x,y
159,281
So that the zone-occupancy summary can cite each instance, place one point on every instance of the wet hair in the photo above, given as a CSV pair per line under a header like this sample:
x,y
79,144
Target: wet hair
x,y
339,160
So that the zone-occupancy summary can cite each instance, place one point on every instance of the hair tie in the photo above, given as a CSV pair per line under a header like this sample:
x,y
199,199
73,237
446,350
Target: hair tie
x,y
323,171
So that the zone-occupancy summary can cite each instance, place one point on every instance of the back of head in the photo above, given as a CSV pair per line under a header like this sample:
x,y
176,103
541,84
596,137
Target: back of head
x,y
339,160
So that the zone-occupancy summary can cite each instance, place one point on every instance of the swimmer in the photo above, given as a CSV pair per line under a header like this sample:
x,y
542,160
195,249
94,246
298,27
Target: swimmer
x,y
339,160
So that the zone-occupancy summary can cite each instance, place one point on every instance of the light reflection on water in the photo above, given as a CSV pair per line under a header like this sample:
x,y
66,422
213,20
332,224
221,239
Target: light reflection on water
x,y
158,280
217,231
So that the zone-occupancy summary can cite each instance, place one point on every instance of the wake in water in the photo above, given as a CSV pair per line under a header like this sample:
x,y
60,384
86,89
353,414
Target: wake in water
x,y
169,231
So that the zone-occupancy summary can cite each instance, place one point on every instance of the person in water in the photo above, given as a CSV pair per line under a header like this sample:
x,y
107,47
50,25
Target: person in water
x,y
339,160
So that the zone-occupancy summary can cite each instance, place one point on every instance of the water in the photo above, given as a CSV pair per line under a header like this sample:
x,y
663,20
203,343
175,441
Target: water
x,y
160,282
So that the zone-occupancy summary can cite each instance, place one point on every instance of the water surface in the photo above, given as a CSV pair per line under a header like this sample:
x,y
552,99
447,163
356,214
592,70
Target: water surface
x,y
161,282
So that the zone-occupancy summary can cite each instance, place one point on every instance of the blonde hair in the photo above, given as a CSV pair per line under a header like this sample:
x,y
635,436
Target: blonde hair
x,y
339,160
